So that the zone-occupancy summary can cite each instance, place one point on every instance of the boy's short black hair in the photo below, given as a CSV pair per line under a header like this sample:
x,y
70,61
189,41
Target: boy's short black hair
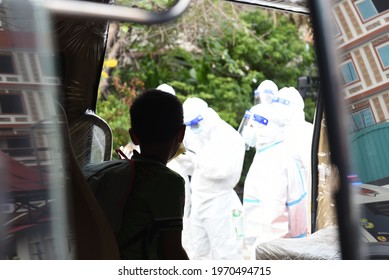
x,y
156,116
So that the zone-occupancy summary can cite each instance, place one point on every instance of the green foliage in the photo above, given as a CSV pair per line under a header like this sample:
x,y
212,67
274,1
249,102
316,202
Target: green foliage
x,y
309,110
116,113
147,5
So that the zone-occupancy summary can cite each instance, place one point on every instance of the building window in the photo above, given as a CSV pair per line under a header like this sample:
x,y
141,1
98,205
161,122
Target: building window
x,y
11,104
363,118
6,64
19,147
384,55
370,8
381,5
351,124
348,72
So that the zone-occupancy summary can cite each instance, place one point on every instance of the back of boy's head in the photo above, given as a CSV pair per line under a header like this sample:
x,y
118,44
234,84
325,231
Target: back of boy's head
x,y
156,116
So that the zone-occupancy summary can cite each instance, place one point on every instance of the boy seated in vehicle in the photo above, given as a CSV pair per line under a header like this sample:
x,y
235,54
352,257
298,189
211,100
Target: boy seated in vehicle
x,y
154,209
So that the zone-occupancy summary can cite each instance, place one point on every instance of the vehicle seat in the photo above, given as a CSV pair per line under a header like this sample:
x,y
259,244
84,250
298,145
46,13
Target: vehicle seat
x,y
94,237
91,139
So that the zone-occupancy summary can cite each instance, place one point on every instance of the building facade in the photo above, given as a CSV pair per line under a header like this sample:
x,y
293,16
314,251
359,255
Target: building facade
x,y
24,103
362,35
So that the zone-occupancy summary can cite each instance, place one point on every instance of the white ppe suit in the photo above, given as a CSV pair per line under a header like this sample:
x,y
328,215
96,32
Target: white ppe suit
x,y
274,200
217,169
182,164
298,133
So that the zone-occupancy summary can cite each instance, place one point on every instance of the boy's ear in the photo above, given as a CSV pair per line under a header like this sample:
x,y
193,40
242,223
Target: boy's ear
x,y
133,136
181,133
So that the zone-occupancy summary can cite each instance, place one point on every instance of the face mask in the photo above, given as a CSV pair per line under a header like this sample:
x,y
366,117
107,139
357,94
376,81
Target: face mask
x,y
248,135
196,129
266,135
262,130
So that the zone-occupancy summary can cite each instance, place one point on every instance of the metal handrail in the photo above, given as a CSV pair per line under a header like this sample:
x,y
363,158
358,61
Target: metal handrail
x,y
86,9
299,7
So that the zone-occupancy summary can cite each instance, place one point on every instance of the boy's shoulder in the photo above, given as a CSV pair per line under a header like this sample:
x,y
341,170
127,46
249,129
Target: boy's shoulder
x,y
160,175
152,169
120,166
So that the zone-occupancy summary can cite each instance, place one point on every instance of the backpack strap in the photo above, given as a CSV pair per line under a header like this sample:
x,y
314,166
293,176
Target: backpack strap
x,y
144,232
121,154
132,178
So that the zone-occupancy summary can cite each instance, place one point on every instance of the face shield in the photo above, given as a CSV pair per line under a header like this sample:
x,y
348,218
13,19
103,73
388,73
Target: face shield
x,y
280,100
267,125
194,124
290,103
244,122
246,130
264,96
264,131
265,92
257,98
260,120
